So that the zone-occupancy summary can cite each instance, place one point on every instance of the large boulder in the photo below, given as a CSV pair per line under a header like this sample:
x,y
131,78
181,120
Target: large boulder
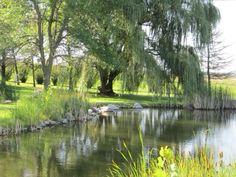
x,y
109,108
90,111
137,106
7,101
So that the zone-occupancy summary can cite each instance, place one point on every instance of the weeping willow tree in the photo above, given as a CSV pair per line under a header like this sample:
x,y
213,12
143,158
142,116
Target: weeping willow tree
x,y
113,33
171,23
113,39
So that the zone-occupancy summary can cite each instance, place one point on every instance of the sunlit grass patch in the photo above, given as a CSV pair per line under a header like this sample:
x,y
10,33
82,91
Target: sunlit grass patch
x,y
229,84
6,116
129,99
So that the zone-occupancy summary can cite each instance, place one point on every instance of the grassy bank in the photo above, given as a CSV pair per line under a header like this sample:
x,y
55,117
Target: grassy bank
x,y
25,93
34,106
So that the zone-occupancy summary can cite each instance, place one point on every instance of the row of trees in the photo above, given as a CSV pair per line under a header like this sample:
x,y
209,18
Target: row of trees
x,y
134,40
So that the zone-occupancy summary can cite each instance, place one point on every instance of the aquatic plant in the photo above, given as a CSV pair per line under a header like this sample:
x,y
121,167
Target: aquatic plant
x,y
172,164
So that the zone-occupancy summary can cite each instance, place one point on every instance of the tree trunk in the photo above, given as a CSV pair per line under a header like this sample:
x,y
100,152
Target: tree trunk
x,y
208,70
55,33
16,68
107,77
33,71
71,85
3,67
46,77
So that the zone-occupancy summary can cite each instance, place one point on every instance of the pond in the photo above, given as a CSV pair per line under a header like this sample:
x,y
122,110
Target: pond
x,y
87,150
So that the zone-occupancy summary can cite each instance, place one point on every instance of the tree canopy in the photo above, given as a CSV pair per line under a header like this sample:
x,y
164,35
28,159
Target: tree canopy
x,y
135,41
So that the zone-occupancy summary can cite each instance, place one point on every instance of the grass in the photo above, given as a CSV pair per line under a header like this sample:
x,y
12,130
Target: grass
x,y
170,164
33,106
6,117
229,84
53,104
25,91
130,99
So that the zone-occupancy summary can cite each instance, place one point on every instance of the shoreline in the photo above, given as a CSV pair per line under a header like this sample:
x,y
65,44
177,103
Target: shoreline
x,y
92,114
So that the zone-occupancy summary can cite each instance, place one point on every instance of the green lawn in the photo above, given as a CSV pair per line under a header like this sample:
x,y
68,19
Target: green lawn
x,y
128,99
229,84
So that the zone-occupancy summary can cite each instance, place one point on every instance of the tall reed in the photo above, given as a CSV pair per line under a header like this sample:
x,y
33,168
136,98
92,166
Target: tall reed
x,y
219,99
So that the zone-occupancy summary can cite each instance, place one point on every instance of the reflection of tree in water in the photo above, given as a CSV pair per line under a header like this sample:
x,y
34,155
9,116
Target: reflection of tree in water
x,y
171,127
87,149
79,153
218,134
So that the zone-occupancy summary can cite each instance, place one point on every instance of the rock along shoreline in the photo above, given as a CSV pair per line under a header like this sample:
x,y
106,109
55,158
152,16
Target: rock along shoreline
x,y
92,114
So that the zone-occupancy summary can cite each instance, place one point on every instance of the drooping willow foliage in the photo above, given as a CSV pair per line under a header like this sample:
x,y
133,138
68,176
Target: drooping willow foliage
x,y
112,30
169,38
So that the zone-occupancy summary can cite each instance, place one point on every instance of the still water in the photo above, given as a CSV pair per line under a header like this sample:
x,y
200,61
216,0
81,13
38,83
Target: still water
x,y
87,150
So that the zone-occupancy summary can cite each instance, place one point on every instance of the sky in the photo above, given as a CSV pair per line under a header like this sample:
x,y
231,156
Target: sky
x,y
227,26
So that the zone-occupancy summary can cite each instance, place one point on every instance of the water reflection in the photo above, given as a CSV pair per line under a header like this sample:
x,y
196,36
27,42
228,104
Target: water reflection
x,y
86,150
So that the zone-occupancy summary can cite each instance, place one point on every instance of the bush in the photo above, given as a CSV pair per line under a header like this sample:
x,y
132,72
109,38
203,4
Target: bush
x,y
23,75
7,92
54,78
39,77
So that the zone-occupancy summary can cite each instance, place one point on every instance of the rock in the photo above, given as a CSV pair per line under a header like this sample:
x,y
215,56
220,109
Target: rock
x,y
7,101
42,124
109,108
137,106
72,119
32,129
69,116
39,127
93,114
64,121
52,122
46,122
95,109
90,111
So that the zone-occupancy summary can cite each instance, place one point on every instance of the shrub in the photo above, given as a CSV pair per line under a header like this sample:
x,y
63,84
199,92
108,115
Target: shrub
x,y
54,78
23,75
39,77
7,92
